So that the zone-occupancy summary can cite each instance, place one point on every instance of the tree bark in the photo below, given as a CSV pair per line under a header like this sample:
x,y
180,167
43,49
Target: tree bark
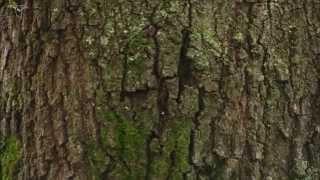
x,y
166,89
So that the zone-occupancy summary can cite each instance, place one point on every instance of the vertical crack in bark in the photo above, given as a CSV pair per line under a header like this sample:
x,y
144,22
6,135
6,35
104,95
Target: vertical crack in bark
x,y
124,72
149,154
6,53
235,43
173,159
184,66
162,94
194,130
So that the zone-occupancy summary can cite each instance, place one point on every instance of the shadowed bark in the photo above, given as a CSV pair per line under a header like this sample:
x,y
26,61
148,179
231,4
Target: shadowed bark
x,y
172,89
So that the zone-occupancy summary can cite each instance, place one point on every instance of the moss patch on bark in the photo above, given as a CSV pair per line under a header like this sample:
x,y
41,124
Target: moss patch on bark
x,y
10,156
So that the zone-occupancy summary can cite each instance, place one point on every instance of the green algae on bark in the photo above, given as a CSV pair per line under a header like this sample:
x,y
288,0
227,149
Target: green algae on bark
x,y
10,156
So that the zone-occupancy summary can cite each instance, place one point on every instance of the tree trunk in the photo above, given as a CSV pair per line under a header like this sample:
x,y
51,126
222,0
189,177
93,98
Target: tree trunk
x,y
170,89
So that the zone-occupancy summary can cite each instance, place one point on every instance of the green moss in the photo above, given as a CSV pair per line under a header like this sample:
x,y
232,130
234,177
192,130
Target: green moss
x,y
10,155
98,160
136,55
239,37
97,153
129,137
130,145
176,142
130,140
217,169
125,140
161,167
181,136
13,5
110,116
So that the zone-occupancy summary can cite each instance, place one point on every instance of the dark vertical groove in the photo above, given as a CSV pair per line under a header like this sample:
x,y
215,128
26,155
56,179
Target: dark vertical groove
x,y
184,65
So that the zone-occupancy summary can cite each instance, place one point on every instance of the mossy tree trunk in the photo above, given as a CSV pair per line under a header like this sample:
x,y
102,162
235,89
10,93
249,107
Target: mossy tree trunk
x,y
170,89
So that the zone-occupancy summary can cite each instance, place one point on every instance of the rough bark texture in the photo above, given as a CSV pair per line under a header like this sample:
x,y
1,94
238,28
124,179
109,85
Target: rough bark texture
x,y
170,89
